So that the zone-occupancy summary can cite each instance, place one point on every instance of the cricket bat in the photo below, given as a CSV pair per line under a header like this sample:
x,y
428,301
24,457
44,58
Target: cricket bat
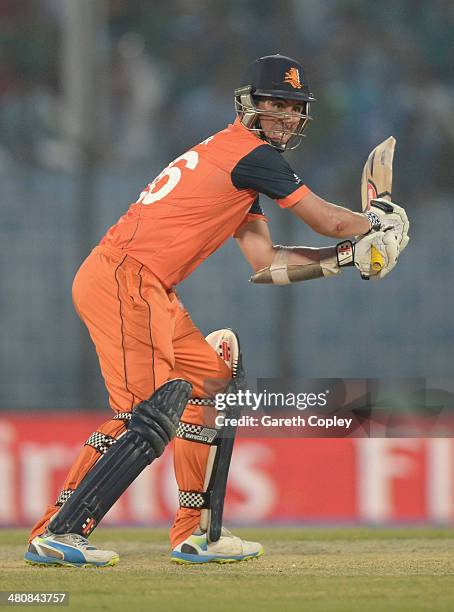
x,y
376,182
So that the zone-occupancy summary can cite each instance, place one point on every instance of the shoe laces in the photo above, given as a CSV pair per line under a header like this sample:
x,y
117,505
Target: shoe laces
x,y
77,539
224,533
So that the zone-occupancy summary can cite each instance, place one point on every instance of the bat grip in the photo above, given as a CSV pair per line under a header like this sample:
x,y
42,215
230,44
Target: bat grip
x,y
376,259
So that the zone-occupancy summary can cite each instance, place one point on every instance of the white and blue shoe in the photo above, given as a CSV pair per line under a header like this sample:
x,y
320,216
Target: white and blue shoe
x,y
69,549
228,549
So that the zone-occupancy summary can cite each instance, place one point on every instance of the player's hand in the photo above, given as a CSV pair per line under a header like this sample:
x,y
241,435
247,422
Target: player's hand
x,y
386,243
394,216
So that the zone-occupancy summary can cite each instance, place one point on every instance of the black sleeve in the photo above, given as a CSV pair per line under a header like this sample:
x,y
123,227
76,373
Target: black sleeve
x,y
256,209
265,170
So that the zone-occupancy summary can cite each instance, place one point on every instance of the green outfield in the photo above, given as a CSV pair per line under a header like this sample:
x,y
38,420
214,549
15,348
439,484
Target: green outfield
x,y
314,569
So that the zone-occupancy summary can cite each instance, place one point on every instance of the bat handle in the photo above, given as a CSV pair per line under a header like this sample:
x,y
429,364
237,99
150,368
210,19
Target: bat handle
x,y
376,259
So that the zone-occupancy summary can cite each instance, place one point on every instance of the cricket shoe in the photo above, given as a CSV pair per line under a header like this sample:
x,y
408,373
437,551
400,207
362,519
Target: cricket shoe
x,y
69,549
228,549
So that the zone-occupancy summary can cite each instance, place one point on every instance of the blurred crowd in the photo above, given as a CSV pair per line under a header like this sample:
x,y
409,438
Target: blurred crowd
x,y
163,74
375,68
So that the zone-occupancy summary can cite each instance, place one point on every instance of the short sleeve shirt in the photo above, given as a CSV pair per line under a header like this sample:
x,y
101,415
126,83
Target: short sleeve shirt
x,y
200,200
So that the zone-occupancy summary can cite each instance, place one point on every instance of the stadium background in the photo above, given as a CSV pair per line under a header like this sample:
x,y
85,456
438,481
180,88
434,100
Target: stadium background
x,y
95,98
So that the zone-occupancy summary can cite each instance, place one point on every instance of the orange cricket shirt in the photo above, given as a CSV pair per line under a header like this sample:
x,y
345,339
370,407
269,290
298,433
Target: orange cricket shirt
x,y
200,200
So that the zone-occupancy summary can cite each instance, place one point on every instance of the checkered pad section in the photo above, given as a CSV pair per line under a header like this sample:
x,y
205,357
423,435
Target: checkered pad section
x,y
201,401
122,416
194,499
100,442
64,496
196,433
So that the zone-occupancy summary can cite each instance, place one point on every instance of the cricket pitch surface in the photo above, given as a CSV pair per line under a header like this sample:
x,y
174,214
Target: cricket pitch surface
x,y
307,568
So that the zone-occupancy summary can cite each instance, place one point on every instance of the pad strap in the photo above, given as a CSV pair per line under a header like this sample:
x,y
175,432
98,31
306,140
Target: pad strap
x,y
194,499
63,496
101,442
202,401
122,416
197,433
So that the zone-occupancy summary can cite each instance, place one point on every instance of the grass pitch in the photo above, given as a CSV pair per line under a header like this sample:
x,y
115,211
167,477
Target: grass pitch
x,y
316,569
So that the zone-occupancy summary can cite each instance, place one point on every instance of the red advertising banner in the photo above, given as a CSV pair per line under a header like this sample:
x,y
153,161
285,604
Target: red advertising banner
x,y
383,480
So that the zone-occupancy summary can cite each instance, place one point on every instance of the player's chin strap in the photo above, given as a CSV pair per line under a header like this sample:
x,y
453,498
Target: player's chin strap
x,y
280,272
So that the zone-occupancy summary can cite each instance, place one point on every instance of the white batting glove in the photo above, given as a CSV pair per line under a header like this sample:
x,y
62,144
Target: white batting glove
x,y
394,216
386,242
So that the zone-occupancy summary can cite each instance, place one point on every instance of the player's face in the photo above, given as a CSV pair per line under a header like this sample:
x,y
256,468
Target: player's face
x,y
284,118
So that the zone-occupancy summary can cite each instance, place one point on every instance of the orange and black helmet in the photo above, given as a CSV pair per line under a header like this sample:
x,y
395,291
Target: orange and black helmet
x,y
273,76
278,76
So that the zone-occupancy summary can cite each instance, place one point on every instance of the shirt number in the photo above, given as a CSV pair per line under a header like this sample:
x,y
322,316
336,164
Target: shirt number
x,y
173,175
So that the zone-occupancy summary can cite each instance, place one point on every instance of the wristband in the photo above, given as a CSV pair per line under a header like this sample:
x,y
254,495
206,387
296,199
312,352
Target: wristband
x,y
374,221
345,252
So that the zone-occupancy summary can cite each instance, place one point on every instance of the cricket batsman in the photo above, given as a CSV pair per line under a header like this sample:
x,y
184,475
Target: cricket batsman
x,y
160,372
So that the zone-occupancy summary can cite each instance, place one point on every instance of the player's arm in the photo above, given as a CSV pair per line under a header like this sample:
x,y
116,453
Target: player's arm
x,y
281,265
265,171
254,240
330,219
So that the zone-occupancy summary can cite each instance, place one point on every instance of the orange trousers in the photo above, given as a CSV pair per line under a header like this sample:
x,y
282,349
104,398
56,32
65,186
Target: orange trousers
x,y
143,337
